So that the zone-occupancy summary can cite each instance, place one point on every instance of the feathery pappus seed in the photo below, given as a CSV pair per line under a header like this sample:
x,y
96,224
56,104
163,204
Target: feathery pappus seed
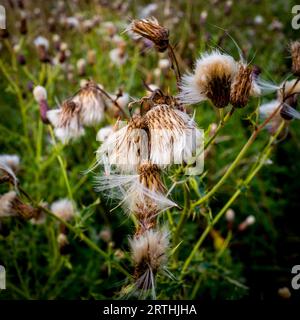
x,y
295,52
142,193
66,121
150,29
211,80
64,209
149,254
241,87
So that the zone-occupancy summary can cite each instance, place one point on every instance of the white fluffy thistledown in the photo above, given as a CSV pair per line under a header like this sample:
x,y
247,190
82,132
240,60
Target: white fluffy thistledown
x,y
149,253
131,193
194,85
288,88
64,209
265,110
174,136
71,130
125,148
118,57
104,133
39,93
91,104
6,201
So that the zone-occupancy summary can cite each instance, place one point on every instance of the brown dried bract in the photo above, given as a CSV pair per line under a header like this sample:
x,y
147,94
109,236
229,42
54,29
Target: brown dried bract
x,y
240,89
295,52
152,30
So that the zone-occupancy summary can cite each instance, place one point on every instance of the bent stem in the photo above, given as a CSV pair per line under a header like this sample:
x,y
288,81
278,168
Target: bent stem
x,y
237,159
174,64
264,156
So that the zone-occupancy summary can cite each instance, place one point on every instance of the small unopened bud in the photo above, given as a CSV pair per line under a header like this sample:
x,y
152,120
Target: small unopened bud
x,y
105,235
250,220
295,52
91,57
62,240
81,66
284,293
230,215
40,95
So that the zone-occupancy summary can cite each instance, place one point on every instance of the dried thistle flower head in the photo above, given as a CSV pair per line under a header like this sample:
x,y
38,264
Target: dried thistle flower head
x,y
295,52
12,205
64,209
126,147
174,136
211,80
149,253
150,29
241,87
90,104
66,121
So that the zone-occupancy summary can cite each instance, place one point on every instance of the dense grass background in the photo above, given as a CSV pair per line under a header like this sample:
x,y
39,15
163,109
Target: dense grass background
x,y
256,263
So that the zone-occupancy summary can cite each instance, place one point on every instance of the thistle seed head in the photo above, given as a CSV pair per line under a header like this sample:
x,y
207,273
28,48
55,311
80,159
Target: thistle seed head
x,y
150,29
295,52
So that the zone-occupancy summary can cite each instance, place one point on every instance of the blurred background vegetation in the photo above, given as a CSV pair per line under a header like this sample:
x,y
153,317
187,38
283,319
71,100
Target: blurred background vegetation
x,y
257,262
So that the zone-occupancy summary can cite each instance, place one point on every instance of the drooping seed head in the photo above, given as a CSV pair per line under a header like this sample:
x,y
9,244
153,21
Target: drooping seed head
x,y
150,29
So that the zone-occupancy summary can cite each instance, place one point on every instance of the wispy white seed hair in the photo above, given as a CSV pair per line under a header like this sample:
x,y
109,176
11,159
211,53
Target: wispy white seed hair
x,y
104,133
91,104
230,215
41,42
6,201
149,253
126,147
64,209
122,100
39,93
288,88
132,194
265,110
195,86
174,135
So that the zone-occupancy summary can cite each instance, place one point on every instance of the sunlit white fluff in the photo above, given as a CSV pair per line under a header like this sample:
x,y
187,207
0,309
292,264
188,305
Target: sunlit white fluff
x,y
39,93
118,57
126,147
132,194
11,160
265,110
288,88
104,133
174,135
64,209
210,65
